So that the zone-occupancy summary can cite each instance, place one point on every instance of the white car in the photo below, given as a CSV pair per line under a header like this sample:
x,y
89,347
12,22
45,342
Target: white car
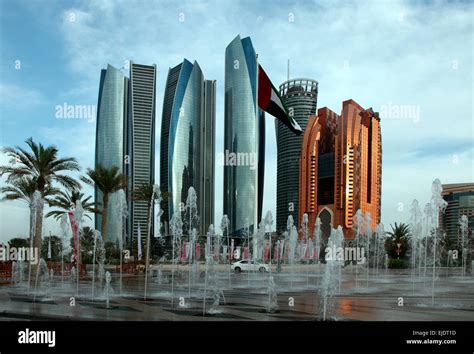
x,y
247,265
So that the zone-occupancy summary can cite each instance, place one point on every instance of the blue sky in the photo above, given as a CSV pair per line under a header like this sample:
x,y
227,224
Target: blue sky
x,y
413,54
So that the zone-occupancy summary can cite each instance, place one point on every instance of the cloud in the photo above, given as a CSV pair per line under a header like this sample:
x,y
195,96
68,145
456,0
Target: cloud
x,y
412,178
408,55
402,53
17,97
73,137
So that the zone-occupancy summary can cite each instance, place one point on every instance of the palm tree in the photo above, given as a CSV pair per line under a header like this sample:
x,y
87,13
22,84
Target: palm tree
x,y
23,189
65,200
42,166
144,192
398,240
108,181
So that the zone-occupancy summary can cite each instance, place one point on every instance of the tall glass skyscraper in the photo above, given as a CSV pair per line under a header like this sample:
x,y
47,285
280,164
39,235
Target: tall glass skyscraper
x,y
460,198
111,137
208,165
187,142
125,137
300,96
243,138
141,141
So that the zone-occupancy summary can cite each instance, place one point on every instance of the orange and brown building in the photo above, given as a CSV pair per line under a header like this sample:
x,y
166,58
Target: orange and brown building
x,y
341,167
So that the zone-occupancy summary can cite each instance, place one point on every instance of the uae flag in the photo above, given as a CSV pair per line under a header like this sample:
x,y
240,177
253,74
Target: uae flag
x,y
270,101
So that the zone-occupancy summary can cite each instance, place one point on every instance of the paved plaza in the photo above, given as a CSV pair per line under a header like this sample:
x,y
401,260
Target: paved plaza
x,y
387,295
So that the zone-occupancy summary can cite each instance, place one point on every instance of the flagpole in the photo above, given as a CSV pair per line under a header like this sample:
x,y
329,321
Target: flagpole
x,y
257,150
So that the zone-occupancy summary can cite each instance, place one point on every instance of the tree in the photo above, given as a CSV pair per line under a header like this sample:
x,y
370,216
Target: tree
x,y
42,165
87,244
65,200
56,248
398,236
108,181
145,192
23,189
18,242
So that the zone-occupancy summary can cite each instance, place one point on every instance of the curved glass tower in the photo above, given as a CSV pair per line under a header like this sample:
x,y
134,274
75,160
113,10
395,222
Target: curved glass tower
x,y
300,96
111,137
183,166
187,141
243,138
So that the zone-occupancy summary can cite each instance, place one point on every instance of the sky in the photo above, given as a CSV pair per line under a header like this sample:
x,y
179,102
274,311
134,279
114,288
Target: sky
x,y
410,60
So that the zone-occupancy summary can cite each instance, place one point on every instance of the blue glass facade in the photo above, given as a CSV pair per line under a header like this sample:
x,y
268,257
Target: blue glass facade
x,y
111,138
300,96
460,198
244,136
187,140
183,164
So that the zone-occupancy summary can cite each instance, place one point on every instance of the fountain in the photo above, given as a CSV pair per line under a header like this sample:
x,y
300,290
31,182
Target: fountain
x,y
72,275
98,256
368,236
216,243
192,219
158,235
464,229
248,256
428,215
317,237
36,205
192,261
209,258
340,262
379,245
176,225
78,213
159,277
359,226
15,276
415,232
155,196
304,230
225,226
439,205
449,261
331,272
64,245
17,270
159,212
41,272
122,213
216,291
293,237
272,305
107,289
317,245
258,240
211,280
49,277
279,248
268,222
